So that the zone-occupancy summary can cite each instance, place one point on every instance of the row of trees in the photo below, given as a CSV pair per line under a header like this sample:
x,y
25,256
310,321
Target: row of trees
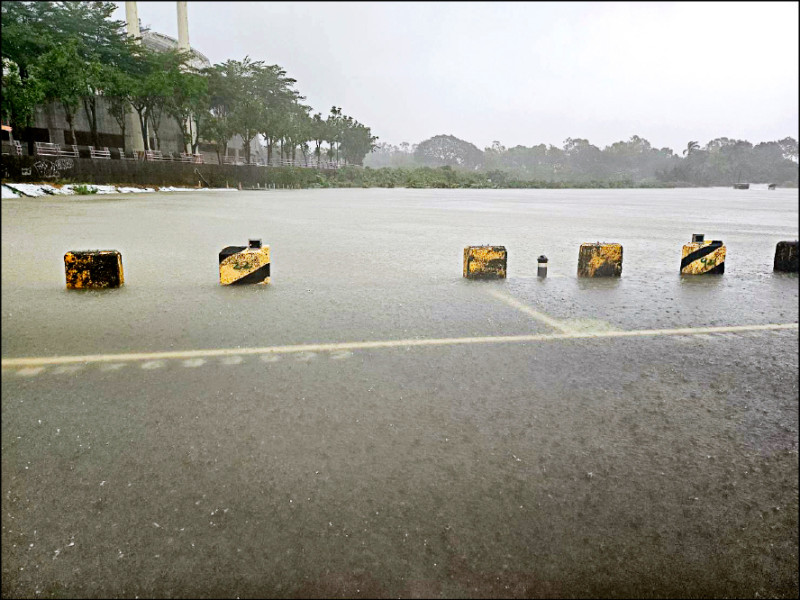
x,y
722,161
74,54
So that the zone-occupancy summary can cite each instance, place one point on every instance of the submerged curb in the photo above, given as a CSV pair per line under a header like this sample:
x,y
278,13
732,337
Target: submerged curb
x,y
34,190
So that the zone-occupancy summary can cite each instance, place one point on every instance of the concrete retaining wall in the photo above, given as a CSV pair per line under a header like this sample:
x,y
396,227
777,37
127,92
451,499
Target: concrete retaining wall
x,y
23,169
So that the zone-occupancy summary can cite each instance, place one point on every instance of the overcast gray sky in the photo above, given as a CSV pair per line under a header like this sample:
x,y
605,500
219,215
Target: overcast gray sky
x,y
522,73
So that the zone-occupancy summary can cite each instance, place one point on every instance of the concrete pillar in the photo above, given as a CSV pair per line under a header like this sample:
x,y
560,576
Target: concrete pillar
x,y
133,131
55,125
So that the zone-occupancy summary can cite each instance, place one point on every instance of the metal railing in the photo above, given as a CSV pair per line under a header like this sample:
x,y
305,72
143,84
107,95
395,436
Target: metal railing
x,y
304,163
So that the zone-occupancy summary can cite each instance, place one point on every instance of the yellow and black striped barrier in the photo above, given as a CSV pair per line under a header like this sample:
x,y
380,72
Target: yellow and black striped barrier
x,y
485,262
93,269
702,257
786,257
600,260
244,264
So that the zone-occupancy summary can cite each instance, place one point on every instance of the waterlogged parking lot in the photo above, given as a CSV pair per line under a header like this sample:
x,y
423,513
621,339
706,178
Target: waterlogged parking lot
x,y
372,424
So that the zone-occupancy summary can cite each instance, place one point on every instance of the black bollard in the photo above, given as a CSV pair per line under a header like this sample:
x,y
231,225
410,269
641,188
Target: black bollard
x,y
541,270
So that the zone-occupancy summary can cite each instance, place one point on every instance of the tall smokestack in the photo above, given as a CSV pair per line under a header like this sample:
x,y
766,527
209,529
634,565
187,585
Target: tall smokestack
x,y
132,19
133,131
183,27
183,45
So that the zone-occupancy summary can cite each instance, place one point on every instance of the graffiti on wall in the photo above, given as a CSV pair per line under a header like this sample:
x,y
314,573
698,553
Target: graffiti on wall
x,y
51,169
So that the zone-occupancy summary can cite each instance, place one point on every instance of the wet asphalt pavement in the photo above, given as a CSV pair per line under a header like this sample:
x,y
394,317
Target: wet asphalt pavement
x,y
645,466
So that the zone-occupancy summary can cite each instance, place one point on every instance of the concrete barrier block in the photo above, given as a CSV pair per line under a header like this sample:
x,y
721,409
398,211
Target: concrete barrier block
x,y
485,262
93,269
244,264
703,257
786,257
600,260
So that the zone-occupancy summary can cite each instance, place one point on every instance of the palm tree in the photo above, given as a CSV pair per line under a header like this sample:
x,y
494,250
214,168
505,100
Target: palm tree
x,y
691,147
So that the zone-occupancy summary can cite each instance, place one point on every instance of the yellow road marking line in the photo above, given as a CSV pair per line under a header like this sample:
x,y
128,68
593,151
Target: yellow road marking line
x,y
541,317
155,357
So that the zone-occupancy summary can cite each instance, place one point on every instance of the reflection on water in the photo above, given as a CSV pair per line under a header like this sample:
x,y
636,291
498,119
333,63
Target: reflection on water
x,y
636,467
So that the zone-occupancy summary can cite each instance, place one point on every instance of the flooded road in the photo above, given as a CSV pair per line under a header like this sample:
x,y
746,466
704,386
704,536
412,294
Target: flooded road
x,y
371,424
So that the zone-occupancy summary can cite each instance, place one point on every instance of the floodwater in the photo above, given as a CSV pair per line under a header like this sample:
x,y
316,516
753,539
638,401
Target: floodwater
x,y
648,465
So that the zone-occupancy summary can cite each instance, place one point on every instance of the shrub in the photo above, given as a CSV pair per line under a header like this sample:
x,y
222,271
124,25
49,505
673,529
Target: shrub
x,y
83,190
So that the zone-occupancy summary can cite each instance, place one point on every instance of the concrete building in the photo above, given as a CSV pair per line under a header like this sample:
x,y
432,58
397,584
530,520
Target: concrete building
x,y
50,123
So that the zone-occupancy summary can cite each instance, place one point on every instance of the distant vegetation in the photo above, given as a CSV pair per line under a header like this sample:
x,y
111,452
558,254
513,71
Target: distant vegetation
x,y
73,53
450,177
635,162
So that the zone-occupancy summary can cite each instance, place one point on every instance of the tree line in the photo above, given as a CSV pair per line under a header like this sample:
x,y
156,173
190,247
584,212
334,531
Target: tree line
x,y
74,53
722,161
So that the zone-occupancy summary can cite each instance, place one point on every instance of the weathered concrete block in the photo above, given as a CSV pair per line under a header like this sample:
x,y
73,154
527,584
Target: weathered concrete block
x,y
93,269
786,257
244,264
703,258
600,260
485,262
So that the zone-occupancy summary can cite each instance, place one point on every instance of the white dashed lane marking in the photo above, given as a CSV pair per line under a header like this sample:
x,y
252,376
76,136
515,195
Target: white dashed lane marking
x,y
231,360
29,367
30,371
153,364
194,362
67,369
705,336
112,366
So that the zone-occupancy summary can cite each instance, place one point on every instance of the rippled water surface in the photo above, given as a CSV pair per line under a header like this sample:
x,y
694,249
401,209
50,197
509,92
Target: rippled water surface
x,y
652,465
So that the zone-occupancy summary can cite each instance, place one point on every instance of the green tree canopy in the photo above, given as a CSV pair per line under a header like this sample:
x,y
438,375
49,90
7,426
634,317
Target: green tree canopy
x,y
448,150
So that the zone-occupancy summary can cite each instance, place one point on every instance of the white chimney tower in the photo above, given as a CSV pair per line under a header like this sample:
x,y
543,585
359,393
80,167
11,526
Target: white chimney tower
x,y
183,27
133,131
183,45
132,19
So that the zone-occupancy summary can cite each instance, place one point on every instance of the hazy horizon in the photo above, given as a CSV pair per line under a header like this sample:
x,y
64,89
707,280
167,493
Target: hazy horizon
x,y
522,73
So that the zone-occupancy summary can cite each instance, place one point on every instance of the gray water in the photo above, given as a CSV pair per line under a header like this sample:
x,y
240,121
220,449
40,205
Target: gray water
x,y
362,264
644,467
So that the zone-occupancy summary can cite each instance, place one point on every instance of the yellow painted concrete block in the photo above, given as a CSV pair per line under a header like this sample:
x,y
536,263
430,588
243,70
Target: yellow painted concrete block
x,y
703,258
93,269
600,260
244,264
485,262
